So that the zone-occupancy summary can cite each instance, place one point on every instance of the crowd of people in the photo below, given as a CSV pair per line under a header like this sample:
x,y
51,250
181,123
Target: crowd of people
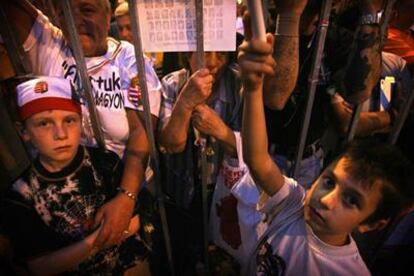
x,y
78,208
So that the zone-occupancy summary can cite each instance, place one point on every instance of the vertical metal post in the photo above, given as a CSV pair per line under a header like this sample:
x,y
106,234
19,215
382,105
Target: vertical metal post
x,y
202,141
83,73
18,58
16,159
139,56
353,124
386,18
52,11
313,80
257,20
200,33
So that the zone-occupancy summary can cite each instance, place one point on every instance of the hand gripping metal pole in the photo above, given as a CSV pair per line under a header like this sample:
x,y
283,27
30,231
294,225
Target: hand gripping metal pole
x,y
83,73
202,140
139,56
313,80
353,124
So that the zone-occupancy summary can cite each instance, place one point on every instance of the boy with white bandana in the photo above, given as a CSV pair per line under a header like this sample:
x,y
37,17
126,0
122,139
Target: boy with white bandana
x,y
49,211
112,69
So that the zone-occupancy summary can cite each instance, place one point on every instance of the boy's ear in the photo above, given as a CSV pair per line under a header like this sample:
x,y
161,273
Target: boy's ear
x,y
21,129
378,225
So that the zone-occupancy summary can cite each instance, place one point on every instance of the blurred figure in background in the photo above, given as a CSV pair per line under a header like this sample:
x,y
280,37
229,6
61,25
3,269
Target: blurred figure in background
x,y
400,39
125,33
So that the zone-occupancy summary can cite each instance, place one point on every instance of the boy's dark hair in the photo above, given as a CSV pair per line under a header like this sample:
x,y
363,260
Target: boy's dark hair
x,y
370,162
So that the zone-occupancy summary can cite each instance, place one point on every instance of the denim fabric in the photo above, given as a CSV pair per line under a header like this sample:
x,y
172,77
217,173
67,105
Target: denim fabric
x,y
310,168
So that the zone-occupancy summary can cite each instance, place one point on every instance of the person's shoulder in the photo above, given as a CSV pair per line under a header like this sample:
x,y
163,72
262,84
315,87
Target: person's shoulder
x,y
22,184
44,22
284,203
392,63
174,78
127,52
18,193
125,45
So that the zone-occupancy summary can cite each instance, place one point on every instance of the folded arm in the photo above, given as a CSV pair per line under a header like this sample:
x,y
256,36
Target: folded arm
x,y
117,213
368,123
173,135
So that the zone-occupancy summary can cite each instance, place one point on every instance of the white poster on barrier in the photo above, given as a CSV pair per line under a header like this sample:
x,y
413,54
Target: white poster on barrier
x,y
170,25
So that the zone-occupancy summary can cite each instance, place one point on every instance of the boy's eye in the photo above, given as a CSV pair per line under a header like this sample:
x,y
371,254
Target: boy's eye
x,y
350,200
43,124
70,120
328,183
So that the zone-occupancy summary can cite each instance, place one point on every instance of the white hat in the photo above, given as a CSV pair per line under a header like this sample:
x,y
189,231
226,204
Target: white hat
x,y
121,9
46,93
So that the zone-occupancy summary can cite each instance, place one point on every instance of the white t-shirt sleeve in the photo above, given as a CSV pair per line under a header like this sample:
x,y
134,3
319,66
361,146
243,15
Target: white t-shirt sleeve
x,y
170,92
153,83
44,38
286,202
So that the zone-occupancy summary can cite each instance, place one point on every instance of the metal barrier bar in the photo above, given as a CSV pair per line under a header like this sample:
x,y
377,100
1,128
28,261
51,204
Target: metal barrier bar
x,y
52,11
313,80
83,73
201,139
386,18
353,124
256,18
17,55
136,33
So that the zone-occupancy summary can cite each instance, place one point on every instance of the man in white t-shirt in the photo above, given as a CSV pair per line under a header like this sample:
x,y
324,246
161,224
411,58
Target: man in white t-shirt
x,y
112,69
308,233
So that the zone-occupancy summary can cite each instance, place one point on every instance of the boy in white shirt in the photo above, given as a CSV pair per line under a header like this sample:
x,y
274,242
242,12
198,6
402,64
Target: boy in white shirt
x,y
308,233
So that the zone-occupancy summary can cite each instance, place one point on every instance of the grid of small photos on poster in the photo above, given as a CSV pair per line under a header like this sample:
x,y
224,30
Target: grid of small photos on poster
x,y
170,25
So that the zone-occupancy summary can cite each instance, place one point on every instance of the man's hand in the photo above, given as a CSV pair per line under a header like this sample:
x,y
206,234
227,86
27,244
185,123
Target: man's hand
x,y
134,225
290,6
208,122
91,239
115,216
197,89
255,59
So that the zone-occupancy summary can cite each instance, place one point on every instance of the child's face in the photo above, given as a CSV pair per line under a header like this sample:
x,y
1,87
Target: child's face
x,y
335,205
56,135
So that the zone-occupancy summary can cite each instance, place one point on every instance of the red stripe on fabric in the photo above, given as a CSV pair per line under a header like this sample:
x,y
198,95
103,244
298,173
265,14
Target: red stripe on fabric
x,y
49,103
